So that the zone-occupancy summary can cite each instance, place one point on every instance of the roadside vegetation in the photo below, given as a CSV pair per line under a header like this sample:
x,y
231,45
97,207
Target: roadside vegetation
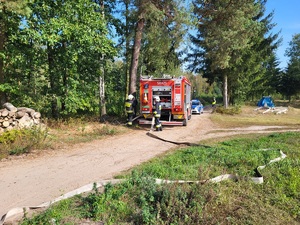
x,y
139,200
56,134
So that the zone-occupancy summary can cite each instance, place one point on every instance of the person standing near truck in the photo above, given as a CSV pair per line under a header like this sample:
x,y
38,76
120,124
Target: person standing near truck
x,y
156,113
213,105
129,106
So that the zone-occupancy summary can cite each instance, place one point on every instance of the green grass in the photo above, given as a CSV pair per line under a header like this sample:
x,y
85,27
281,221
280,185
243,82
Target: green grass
x,y
139,200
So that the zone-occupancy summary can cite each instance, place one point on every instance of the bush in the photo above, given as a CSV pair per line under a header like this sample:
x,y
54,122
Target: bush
x,y
15,142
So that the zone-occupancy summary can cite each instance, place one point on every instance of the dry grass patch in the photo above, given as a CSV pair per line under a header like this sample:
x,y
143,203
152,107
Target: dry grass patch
x,y
83,133
250,117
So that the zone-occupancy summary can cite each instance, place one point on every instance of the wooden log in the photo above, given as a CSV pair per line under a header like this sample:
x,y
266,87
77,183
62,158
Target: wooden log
x,y
20,114
4,113
11,113
25,121
25,109
5,124
36,115
32,114
29,111
10,120
10,107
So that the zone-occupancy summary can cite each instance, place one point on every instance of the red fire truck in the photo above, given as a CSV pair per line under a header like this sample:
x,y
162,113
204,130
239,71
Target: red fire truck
x,y
175,97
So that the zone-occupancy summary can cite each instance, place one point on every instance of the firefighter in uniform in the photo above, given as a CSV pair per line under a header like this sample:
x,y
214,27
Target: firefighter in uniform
x,y
156,113
129,109
213,104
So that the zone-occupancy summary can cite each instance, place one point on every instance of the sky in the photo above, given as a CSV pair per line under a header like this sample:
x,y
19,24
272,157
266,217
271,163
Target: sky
x,y
287,18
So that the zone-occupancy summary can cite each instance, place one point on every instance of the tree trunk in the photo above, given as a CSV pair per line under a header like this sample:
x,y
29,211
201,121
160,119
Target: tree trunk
x,y
10,107
225,91
136,53
54,106
102,96
65,84
127,44
102,103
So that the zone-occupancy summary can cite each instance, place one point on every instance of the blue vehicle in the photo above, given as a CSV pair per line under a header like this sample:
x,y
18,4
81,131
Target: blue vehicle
x,y
197,107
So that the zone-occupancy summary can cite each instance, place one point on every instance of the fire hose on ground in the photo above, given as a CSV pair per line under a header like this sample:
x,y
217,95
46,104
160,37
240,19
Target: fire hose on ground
x,y
258,178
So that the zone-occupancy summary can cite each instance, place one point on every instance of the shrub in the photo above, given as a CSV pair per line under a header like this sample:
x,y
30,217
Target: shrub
x,y
15,142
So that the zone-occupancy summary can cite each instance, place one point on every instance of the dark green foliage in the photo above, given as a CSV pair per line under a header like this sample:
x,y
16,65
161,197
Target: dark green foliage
x,y
55,57
115,88
233,45
289,81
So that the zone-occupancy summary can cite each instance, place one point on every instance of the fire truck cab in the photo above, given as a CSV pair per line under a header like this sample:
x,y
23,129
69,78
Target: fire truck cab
x,y
175,98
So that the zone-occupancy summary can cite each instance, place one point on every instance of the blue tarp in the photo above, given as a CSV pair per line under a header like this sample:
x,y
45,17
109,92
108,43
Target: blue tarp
x,y
266,101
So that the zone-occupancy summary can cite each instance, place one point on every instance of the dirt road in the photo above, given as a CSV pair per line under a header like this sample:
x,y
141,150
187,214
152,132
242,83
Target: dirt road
x,y
30,181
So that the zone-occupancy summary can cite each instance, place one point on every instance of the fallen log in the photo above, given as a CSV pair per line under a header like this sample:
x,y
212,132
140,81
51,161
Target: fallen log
x,y
10,107
26,110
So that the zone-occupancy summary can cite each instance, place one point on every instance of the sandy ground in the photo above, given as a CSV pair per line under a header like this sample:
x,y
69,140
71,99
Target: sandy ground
x,y
31,180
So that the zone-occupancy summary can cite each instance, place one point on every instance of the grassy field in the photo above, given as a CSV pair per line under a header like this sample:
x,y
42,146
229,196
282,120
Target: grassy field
x,y
139,200
250,116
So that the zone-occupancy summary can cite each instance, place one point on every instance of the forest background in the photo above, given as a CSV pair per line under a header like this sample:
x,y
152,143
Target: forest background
x,y
83,57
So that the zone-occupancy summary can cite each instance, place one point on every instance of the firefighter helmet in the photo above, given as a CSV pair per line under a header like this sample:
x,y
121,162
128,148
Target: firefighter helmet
x,y
157,98
130,97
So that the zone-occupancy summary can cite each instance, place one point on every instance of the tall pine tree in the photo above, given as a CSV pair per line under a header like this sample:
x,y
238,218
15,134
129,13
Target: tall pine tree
x,y
225,30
